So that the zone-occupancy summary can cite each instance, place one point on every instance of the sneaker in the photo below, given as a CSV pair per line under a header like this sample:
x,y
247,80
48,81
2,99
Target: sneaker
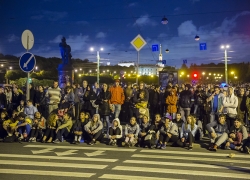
x,y
74,142
214,148
111,142
56,141
227,148
158,146
190,148
30,140
91,143
33,140
163,146
247,149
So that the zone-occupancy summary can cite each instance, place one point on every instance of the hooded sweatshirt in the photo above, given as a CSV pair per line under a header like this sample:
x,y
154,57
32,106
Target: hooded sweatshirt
x,y
30,111
132,129
94,127
230,104
172,129
118,126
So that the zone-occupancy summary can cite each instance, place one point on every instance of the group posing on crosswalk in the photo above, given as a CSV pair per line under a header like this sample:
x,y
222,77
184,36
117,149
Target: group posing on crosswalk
x,y
154,116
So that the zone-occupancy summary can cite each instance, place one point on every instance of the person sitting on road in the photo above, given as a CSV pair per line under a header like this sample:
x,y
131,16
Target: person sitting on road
x,y
64,129
218,132
94,129
78,129
114,132
4,117
23,127
30,110
178,121
51,128
144,128
10,124
168,131
21,107
188,133
237,137
131,133
39,124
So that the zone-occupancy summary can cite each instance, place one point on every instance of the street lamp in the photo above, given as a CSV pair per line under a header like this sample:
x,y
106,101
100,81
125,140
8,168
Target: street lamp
x,y
196,38
164,20
10,67
98,62
225,47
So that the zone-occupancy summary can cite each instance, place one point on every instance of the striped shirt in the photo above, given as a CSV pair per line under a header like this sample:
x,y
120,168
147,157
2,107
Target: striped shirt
x,y
54,94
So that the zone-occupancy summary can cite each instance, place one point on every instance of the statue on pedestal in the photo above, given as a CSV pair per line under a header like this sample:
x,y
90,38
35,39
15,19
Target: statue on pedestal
x,y
65,50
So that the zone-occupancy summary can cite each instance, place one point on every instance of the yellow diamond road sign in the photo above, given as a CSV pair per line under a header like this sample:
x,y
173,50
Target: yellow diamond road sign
x,y
138,42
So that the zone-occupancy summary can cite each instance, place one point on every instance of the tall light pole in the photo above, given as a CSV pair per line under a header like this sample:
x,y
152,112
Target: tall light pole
x,y
98,63
225,47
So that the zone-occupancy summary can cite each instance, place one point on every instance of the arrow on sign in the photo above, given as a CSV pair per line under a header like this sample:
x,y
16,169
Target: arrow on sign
x,y
69,152
96,153
42,151
26,64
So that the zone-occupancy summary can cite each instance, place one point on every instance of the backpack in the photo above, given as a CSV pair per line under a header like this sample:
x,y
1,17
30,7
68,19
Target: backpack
x,y
185,101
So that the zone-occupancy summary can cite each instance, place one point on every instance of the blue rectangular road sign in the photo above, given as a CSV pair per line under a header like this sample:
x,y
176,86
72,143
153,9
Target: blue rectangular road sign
x,y
164,62
185,61
203,46
155,47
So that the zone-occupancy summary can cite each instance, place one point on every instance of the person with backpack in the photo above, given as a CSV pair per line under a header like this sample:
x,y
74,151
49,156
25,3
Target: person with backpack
x,y
185,102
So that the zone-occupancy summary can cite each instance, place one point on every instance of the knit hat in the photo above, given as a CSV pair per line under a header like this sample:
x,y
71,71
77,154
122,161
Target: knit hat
x,y
168,117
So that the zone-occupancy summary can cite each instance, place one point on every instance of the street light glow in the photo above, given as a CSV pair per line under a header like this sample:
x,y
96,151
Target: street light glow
x,y
75,70
91,49
101,49
227,46
10,67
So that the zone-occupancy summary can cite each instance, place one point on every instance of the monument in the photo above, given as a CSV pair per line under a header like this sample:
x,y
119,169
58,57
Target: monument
x,y
65,68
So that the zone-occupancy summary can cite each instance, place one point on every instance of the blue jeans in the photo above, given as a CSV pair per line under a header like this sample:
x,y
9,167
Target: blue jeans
x,y
117,110
21,129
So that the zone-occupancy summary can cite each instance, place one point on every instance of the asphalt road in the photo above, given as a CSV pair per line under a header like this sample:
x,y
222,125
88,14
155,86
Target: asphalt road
x,y
64,161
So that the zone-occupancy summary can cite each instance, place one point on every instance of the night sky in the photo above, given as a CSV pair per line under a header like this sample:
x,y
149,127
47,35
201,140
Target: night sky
x,y
112,24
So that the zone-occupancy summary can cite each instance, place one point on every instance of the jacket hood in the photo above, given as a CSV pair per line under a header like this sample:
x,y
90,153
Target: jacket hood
x,y
118,121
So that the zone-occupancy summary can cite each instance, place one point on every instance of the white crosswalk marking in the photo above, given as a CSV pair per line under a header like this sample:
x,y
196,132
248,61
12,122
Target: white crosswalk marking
x,y
140,165
127,177
46,173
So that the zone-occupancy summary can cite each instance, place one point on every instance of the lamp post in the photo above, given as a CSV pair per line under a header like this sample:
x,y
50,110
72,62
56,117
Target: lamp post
x,y
98,63
225,47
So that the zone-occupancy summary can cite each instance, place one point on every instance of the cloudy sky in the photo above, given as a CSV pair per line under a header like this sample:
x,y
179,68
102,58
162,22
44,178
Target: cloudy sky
x,y
113,24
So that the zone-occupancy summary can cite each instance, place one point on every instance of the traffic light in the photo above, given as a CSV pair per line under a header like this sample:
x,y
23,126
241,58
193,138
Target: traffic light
x,y
195,75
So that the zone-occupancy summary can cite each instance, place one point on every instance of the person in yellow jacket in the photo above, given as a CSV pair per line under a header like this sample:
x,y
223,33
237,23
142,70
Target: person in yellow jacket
x,y
10,124
23,127
64,129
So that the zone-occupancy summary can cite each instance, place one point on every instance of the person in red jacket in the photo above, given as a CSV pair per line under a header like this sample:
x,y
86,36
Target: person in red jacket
x,y
117,97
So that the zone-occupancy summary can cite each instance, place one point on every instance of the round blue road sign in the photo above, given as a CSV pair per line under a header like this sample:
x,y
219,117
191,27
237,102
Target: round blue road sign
x,y
27,62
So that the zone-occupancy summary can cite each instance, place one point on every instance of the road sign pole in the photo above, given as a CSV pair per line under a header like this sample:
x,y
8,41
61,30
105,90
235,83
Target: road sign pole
x,y
98,66
137,76
28,76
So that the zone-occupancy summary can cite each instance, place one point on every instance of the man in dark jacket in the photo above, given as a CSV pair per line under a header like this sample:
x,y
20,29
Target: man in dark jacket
x,y
185,102
241,109
154,101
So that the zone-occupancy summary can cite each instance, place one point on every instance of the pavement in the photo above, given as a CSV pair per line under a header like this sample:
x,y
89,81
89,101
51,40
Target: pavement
x,y
64,161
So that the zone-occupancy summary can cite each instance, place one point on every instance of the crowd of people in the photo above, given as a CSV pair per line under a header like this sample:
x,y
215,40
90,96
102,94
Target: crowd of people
x,y
153,116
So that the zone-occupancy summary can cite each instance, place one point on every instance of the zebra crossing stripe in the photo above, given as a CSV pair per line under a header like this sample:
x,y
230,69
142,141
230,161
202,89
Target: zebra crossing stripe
x,y
57,158
46,173
245,156
53,164
185,164
182,171
126,177
80,148
189,158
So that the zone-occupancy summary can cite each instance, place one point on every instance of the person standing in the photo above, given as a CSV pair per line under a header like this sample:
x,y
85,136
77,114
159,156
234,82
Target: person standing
x,y
241,109
185,102
3,100
117,97
54,95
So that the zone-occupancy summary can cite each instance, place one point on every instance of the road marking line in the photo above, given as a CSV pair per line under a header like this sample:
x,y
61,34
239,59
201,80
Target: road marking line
x,y
215,166
95,153
47,150
65,153
79,148
53,164
57,157
194,153
45,173
126,177
181,171
190,158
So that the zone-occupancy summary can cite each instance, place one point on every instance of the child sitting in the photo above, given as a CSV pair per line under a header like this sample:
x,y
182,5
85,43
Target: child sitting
x,y
51,128
131,133
114,132
234,141
78,128
39,124
144,128
168,131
